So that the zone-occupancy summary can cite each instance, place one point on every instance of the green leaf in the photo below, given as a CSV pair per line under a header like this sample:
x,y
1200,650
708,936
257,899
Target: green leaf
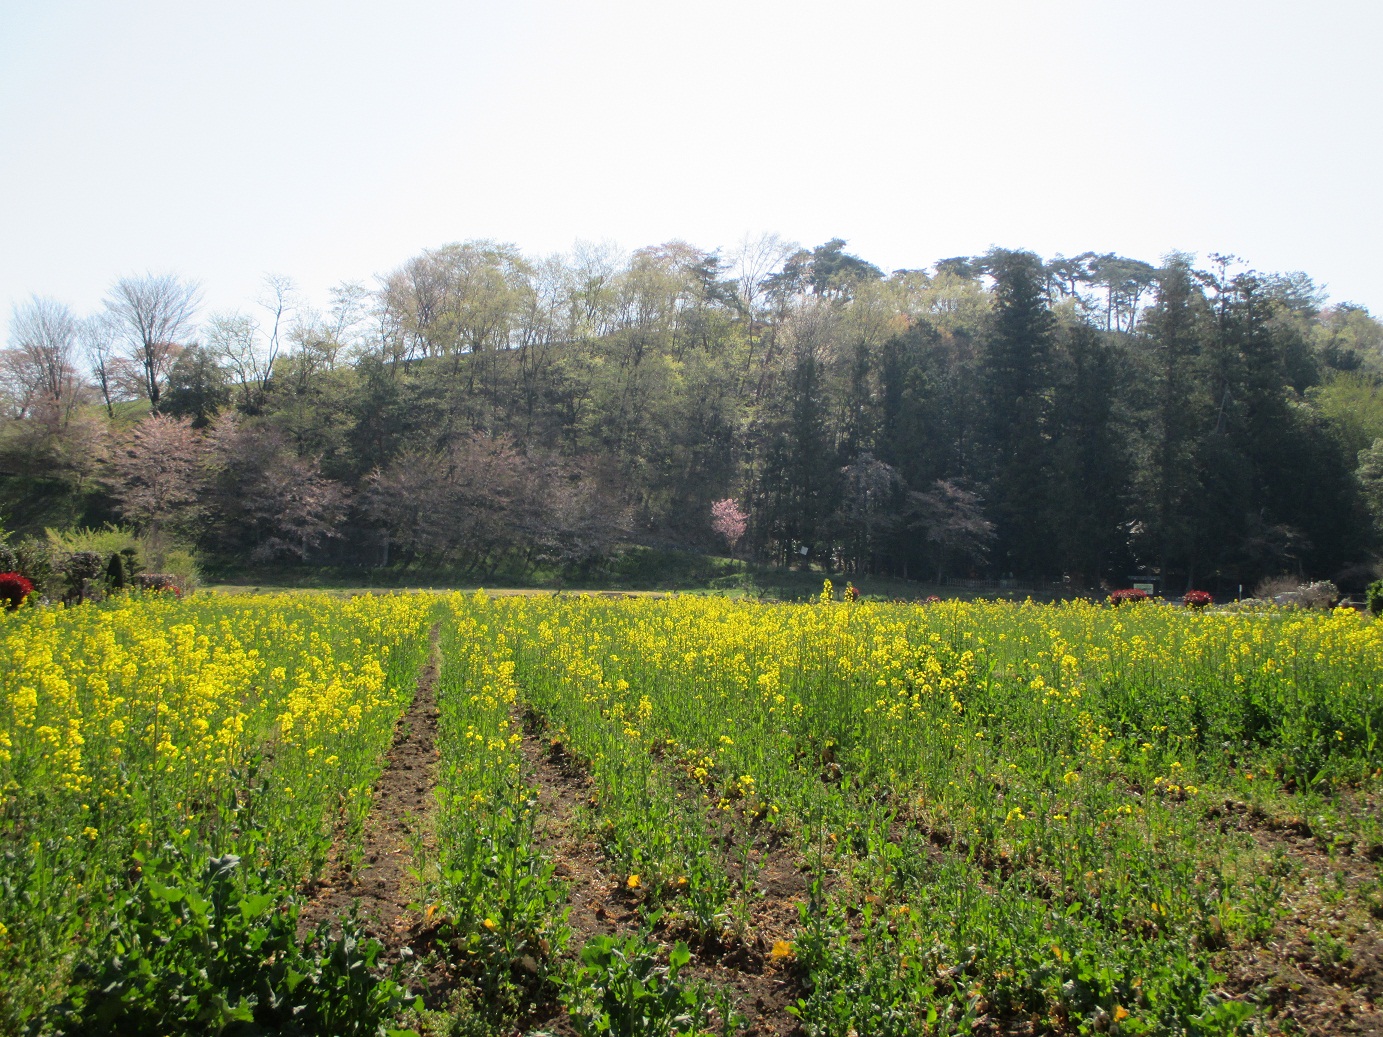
x,y
255,905
679,956
161,892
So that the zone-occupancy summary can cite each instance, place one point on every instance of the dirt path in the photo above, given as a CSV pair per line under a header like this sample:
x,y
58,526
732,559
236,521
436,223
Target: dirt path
x,y
602,904
762,987
403,800
598,899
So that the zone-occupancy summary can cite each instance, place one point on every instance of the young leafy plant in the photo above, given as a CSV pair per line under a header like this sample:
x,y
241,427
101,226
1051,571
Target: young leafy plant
x,y
621,989
216,951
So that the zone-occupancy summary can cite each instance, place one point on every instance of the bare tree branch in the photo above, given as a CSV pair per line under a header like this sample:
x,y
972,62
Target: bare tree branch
x,y
41,363
154,312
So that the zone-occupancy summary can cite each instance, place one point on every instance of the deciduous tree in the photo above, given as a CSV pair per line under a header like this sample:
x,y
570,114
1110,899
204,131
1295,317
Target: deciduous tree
x,y
41,364
154,314
156,476
264,493
951,519
729,521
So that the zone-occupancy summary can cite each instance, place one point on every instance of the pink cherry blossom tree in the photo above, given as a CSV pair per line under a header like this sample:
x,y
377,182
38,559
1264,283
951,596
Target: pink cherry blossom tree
x,y
729,520
156,475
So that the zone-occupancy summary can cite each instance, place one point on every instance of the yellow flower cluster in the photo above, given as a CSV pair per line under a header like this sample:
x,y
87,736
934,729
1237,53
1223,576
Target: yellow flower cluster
x,y
1000,721
145,705
252,723
479,699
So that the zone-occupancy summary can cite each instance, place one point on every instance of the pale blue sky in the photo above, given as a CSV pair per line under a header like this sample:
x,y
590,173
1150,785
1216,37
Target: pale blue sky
x,y
331,140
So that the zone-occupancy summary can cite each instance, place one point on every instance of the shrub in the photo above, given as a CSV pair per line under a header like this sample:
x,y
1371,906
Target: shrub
x,y
36,562
159,583
1287,591
80,567
108,540
1198,599
1319,595
1374,596
133,566
115,574
1128,595
14,589
181,565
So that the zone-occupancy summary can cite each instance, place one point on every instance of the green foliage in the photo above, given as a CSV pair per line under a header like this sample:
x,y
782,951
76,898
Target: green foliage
x,y
220,674
498,895
116,575
622,989
107,540
1005,812
646,569
1008,819
37,561
214,950
1374,597
81,554
1018,357
61,546
9,561
82,565
80,568
1352,404
1022,959
494,896
1205,423
197,387
181,564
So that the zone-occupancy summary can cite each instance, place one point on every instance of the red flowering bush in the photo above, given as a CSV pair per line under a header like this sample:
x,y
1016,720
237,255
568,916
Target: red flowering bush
x,y
1128,596
932,599
160,583
14,589
1198,599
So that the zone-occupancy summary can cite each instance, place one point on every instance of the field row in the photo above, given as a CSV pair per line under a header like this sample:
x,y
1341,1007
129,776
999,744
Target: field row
x,y
689,814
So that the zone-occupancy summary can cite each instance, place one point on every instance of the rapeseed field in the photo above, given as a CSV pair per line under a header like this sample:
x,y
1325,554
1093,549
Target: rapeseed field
x,y
691,814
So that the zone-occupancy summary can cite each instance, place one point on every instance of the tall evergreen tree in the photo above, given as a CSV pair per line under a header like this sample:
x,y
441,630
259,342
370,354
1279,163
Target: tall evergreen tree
x,y
1178,403
197,387
1017,374
1090,470
798,473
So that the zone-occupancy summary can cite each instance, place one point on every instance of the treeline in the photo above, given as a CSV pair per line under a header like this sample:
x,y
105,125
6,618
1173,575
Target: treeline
x,y
1088,419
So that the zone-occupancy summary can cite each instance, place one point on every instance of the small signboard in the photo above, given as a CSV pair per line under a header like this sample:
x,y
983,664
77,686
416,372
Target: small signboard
x,y
1147,588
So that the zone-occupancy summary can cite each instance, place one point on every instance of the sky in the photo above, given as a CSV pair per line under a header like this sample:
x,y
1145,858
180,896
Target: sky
x,y
331,141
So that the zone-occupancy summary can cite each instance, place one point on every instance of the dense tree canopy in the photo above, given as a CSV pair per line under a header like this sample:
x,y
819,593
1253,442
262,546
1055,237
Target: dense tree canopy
x,y
1089,418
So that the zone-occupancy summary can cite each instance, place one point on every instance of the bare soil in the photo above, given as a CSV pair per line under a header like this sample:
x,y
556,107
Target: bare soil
x,y
1320,971
382,884
601,903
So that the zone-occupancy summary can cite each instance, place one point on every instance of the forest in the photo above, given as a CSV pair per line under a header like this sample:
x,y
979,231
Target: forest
x,y
1086,421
